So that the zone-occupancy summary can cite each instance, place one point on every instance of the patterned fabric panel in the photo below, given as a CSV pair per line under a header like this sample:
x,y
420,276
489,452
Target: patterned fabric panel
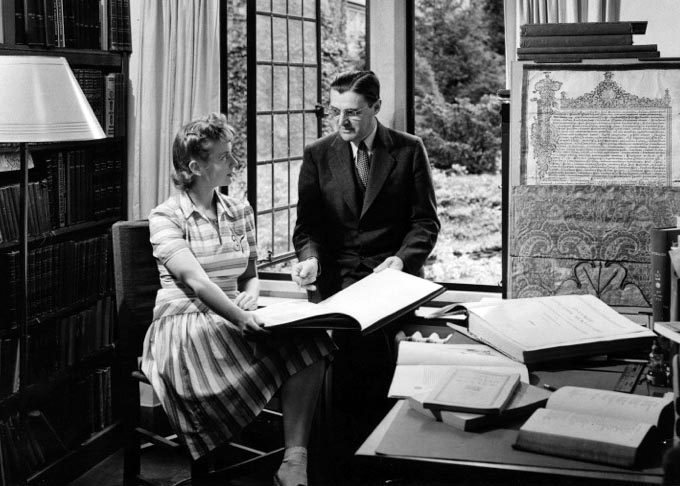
x,y
609,223
615,283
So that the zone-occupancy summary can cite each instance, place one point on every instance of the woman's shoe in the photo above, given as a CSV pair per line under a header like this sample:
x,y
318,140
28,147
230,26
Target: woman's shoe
x,y
281,482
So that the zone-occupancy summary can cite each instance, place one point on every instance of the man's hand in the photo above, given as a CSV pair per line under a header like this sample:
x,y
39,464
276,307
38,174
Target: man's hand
x,y
390,262
305,272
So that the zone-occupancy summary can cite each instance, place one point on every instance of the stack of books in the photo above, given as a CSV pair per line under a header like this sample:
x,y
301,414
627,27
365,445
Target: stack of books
x,y
559,42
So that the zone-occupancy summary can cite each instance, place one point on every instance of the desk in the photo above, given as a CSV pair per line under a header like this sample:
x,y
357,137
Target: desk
x,y
487,457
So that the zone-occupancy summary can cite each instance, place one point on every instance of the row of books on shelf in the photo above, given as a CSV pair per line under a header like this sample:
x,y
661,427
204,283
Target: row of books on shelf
x,y
64,342
80,24
76,189
30,443
106,94
59,275
9,366
583,40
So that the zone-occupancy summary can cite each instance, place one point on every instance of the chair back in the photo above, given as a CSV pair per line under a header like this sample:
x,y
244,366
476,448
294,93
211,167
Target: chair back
x,y
137,281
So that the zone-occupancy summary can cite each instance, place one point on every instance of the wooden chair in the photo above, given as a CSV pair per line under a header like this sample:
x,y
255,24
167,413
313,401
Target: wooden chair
x,y
136,281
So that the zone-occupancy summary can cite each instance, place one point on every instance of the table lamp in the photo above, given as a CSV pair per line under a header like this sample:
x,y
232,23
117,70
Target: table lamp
x,y
40,101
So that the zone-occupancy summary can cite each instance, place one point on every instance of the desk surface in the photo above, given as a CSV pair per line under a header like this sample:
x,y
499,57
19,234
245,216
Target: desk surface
x,y
420,440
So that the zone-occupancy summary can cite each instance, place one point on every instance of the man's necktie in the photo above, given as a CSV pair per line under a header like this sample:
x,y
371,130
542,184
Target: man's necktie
x,y
362,163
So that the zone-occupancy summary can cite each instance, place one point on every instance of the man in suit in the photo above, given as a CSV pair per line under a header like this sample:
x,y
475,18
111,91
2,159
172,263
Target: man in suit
x,y
366,202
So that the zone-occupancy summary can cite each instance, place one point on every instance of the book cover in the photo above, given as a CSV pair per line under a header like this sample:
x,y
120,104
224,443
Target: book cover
x,y
660,242
576,40
365,306
541,329
583,28
473,390
524,401
601,426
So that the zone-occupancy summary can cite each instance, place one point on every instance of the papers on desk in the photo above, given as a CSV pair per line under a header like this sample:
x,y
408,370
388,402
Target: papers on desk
x,y
421,365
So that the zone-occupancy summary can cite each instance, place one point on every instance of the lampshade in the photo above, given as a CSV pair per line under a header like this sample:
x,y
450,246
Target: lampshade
x,y
41,101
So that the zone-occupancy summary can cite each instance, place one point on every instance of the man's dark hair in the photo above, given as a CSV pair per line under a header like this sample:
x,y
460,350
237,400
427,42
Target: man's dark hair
x,y
364,83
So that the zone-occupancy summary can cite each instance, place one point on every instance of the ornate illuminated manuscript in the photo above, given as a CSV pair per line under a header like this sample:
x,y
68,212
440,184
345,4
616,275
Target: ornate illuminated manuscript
x,y
605,136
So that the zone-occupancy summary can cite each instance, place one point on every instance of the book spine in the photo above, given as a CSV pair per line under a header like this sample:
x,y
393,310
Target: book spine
x,y
660,241
110,104
8,22
577,40
583,28
574,49
587,55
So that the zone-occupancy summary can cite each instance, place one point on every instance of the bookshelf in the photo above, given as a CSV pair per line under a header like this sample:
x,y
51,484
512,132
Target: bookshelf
x,y
58,369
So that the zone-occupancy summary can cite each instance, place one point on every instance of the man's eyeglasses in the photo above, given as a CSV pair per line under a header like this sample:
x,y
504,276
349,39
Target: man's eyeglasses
x,y
351,113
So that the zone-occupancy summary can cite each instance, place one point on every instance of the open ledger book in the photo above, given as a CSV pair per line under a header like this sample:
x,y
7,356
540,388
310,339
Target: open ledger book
x,y
539,329
365,306
421,365
599,426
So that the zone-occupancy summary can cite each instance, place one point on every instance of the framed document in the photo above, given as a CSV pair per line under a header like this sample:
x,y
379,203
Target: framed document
x,y
594,165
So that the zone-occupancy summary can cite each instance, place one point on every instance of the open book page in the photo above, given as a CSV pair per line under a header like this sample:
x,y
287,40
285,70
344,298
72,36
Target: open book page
x,y
420,366
638,408
586,427
456,311
542,322
380,294
288,311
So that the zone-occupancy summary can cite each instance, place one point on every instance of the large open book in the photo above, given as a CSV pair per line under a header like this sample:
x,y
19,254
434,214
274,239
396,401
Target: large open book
x,y
598,426
366,305
421,365
540,329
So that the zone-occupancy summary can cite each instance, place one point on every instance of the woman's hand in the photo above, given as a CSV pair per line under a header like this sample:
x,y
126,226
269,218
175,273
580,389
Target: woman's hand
x,y
246,301
251,325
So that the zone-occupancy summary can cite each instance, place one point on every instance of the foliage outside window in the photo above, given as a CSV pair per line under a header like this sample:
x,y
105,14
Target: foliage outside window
x,y
459,66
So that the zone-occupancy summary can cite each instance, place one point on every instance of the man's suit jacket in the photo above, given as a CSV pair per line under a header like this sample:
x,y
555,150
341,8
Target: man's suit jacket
x,y
351,232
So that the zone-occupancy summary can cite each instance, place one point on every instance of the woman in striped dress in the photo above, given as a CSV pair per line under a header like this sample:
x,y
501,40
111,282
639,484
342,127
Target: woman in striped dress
x,y
209,360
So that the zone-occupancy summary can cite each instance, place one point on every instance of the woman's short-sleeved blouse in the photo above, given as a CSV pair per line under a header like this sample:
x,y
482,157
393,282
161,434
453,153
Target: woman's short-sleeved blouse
x,y
223,248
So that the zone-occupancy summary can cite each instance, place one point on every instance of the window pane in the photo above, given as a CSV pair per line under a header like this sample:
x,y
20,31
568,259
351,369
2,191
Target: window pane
x,y
295,7
264,88
310,128
296,88
280,38
295,40
280,136
264,137
280,88
294,176
264,33
281,184
281,234
279,6
264,5
295,133
310,42
264,187
309,9
310,88
264,235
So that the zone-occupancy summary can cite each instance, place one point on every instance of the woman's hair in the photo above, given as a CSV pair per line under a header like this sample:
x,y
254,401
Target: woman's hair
x,y
364,83
192,142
